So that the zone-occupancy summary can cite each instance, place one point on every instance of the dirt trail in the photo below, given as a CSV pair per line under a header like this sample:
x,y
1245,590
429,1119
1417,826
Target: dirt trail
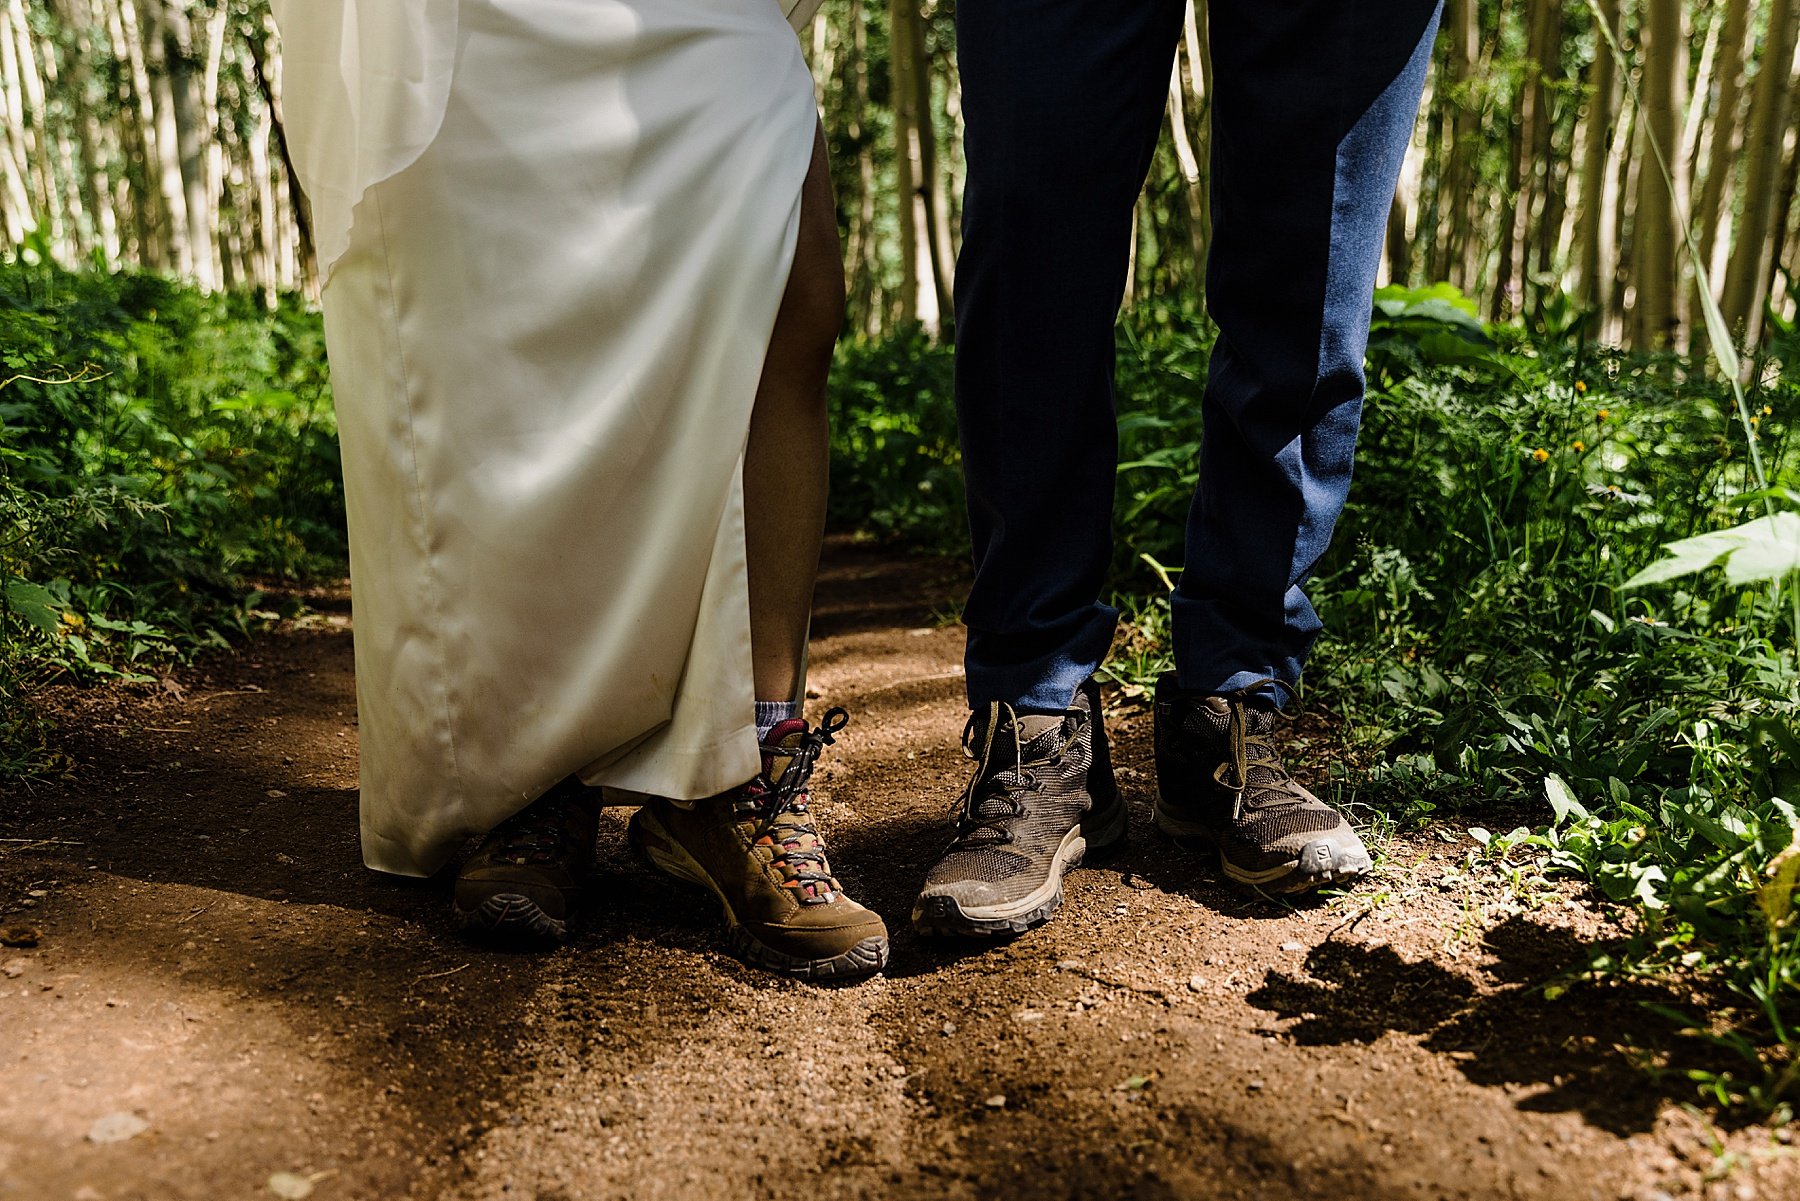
x,y
214,962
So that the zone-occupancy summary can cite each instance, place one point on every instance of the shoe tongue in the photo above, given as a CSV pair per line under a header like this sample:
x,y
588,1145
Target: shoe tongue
x,y
1033,725
1215,713
1038,735
786,733
782,740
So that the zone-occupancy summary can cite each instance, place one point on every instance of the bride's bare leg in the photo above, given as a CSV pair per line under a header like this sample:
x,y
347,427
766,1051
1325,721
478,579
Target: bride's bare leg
x,y
786,464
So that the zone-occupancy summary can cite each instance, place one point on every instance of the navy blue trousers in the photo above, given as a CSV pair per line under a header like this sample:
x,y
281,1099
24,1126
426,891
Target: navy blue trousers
x,y
1313,104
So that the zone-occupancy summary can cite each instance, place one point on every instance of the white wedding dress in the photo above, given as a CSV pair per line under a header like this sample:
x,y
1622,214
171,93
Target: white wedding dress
x,y
555,235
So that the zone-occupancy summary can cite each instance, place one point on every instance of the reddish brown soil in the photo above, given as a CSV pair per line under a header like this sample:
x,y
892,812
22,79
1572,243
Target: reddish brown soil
x,y
214,961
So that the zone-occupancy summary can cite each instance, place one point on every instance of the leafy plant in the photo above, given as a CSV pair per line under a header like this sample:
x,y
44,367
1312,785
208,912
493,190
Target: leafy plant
x,y
157,447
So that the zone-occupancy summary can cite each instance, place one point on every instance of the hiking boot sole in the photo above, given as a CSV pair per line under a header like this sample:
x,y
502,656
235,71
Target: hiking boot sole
x,y
1319,863
943,916
511,919
864,959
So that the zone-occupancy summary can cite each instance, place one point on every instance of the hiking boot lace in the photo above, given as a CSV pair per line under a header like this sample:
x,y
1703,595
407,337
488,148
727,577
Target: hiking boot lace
x,y
974,810
782,821
535,834
1247,750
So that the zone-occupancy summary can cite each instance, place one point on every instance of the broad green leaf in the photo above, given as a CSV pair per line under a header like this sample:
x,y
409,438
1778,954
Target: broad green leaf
x,y
33,604
1770,551
1562,801
1776,895
1765,549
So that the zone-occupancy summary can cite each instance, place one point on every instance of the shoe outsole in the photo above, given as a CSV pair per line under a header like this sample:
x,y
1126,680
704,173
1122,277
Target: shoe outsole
x,y
866,958
940,916
1319,864
512,918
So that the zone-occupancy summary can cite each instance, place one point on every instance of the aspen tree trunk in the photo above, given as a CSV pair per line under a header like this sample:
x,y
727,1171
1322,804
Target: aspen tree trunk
x,y
954,170
1403,213
1547,176
1194,182
262,180
78,224
918,302
1716,155
933,201
1196,48
1747,264
212,172
1620,177
1513,243
302,268
93,142
861,255
905,184
16,216
183,126
161,58
1694,113
1456,235
1131,259
35,143
1596,152
1653,234
822,59
1778,232
151,199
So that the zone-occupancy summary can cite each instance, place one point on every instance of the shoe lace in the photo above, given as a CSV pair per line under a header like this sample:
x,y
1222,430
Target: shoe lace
x,y
781,818
534,834
1249,749
993,798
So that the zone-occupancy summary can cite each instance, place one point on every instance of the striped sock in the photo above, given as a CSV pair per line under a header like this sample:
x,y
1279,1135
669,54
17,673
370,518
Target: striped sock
x,y
770,714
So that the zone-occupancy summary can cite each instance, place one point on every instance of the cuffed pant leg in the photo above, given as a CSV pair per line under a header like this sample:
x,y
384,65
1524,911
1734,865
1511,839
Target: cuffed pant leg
x,y
1062,103
1313,106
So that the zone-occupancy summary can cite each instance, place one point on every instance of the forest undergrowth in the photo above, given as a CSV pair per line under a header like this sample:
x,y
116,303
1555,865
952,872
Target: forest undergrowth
x,y
1501,639
158,448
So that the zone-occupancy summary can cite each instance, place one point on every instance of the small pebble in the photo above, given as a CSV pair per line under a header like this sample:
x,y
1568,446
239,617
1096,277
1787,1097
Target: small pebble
x,y
949,1029
997,1101
1255,1086
1196,983
1293,946
116,1128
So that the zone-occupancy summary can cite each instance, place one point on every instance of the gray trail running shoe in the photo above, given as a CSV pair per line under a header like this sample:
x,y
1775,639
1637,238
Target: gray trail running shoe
x,y
525,879
1220,778
755,848
1042,796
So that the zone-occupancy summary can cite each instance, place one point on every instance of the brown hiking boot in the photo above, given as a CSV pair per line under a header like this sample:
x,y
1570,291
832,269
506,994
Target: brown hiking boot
x,y
1219,778
755,849
523,881
1041,799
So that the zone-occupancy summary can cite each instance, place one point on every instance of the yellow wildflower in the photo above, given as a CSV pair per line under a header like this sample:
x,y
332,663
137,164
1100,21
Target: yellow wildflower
x,y
1579,446
1768,411
1580,386
1539,455
1603,414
